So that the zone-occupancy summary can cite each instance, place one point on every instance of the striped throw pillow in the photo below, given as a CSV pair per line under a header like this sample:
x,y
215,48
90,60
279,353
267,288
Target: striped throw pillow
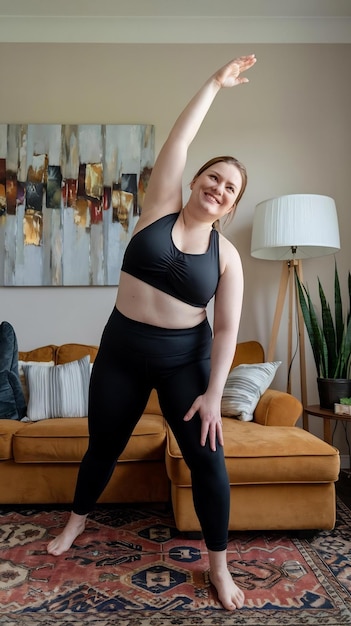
x,y
244,387
59,390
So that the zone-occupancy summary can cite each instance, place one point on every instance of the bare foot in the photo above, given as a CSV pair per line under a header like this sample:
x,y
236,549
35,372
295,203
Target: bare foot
x,y
72,530
229,593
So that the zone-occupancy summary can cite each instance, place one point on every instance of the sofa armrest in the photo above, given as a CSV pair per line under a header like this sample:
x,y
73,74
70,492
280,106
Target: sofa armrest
x,y
277,408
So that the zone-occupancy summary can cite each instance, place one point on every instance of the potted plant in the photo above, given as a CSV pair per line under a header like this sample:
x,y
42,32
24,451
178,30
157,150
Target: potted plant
x,y
330,339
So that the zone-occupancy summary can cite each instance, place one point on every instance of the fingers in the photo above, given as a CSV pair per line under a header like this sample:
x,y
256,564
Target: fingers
x,y
214,433
207,430
220,433
190,414
246,61
243,64
230,74
211,427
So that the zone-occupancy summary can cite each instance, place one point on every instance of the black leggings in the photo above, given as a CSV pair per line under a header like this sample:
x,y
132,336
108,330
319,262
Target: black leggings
x,y
134,358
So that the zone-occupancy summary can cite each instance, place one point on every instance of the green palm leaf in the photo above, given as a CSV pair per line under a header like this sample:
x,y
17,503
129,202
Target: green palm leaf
x,y
344,363
328,333
311,324
339,321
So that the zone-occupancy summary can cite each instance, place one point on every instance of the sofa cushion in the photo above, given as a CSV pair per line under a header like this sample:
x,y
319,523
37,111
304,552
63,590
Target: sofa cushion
x,y
65,440
153,405
244,386
60,354
248,352
259,454
44,353
74,351
58,391
277,408
7,429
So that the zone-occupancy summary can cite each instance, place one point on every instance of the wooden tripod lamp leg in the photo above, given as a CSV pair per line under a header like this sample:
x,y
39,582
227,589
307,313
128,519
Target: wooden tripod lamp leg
x,y
301,331
290,323
284,279
287,278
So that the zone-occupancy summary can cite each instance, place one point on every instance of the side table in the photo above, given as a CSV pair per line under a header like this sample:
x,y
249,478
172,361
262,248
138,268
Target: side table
x,y
327,415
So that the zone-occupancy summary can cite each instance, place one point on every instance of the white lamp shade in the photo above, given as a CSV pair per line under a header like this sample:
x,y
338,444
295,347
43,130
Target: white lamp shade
x,y
295,226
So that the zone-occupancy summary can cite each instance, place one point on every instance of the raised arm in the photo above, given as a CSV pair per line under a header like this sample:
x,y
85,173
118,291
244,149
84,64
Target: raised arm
x,y
164,192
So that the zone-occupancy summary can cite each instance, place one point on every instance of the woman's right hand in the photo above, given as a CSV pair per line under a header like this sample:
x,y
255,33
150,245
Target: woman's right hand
x,y
230,74
164,192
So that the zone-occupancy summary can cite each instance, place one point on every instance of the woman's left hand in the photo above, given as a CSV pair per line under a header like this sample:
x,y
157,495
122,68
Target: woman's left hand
x,y
211,420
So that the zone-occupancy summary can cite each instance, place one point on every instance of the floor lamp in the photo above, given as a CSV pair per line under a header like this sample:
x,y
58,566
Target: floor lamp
x,y
288,229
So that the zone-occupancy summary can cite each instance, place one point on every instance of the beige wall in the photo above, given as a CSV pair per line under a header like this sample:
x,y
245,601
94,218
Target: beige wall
x,y
290,126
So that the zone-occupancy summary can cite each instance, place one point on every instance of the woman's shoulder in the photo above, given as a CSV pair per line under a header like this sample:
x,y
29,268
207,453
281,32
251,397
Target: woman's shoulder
x,y
227,251
226,244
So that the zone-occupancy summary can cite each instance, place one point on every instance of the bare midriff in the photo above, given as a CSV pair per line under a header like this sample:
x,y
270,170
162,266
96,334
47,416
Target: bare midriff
x,y
144,303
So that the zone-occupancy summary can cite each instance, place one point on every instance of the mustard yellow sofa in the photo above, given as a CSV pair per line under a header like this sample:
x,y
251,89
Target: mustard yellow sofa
x,y
281,476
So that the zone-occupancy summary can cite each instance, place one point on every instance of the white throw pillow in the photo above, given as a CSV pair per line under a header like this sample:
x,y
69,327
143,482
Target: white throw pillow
x,y
23,378
244,387
59,390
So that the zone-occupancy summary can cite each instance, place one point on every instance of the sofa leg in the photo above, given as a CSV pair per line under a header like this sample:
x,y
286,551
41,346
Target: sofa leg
x,y
195,535
307,534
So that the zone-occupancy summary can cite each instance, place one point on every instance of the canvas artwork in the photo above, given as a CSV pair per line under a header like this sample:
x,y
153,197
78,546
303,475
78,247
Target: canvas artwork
x,y
70,196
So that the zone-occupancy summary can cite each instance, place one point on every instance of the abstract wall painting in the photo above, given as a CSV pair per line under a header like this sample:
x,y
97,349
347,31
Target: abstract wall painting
x,y
70,196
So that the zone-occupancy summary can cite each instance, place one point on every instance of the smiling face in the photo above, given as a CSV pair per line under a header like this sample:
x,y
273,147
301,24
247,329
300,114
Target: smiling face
x,y
217,188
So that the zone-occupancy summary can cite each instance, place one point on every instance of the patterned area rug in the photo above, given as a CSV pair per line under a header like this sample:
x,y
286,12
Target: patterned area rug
x,y
133,568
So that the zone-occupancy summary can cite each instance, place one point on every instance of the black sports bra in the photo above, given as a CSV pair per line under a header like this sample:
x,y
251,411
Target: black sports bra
x,y
152,257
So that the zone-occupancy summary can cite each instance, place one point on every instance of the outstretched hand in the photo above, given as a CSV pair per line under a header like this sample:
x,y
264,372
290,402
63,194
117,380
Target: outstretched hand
x,y
230,74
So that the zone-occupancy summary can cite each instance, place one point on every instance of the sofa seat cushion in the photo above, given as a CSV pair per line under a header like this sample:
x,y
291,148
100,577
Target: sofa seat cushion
x,y
7,430
257,454
65,440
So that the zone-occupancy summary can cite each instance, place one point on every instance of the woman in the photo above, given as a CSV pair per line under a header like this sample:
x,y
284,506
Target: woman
x,y
158,335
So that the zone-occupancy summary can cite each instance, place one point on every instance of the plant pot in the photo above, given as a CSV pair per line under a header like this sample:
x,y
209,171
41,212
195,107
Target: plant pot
x,y
331,390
